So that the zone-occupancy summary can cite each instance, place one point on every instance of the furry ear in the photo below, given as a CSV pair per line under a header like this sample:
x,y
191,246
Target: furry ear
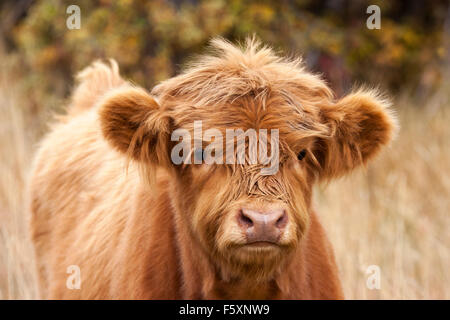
x,y
133,123
360,125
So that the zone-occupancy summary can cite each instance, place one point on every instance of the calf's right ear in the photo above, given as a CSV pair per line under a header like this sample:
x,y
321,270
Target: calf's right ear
x,y
133,123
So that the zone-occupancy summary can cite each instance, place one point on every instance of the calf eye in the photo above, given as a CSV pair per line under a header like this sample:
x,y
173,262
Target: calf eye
x,y
301,154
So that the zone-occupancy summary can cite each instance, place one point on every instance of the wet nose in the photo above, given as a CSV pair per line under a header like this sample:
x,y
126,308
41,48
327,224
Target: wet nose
x,y
262,226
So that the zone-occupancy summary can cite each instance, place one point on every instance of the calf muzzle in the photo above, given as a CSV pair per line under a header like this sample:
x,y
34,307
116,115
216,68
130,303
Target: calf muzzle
x,y
262,226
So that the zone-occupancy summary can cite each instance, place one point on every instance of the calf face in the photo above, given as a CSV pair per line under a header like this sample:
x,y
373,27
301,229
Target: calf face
x,y
248,220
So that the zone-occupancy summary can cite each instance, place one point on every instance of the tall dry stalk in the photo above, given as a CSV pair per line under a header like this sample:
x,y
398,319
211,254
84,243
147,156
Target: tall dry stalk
x,y
17,135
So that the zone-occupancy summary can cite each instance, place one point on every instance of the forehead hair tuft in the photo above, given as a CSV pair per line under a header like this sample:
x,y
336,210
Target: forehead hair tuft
x,y
228,72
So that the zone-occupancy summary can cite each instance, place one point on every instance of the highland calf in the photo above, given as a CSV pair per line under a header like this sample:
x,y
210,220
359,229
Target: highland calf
x,y
106,196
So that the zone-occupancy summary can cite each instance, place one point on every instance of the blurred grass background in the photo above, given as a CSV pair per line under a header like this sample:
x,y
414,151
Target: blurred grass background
x,y
394,214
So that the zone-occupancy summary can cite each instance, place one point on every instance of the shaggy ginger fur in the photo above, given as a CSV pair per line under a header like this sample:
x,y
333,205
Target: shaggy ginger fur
x,y
106,197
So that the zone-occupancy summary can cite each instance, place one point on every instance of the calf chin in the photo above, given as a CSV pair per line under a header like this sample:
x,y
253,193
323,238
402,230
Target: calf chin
x,y
259,262
253,264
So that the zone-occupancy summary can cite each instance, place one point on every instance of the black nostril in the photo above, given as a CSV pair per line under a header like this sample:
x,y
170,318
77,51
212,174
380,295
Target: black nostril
x,y
282,221
244,220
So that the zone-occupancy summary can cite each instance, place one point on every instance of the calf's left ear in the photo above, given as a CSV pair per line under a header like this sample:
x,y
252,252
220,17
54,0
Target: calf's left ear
x,y
360,125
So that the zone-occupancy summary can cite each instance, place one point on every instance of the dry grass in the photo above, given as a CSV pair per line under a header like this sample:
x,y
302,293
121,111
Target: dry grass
x,y
16,138
394,215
